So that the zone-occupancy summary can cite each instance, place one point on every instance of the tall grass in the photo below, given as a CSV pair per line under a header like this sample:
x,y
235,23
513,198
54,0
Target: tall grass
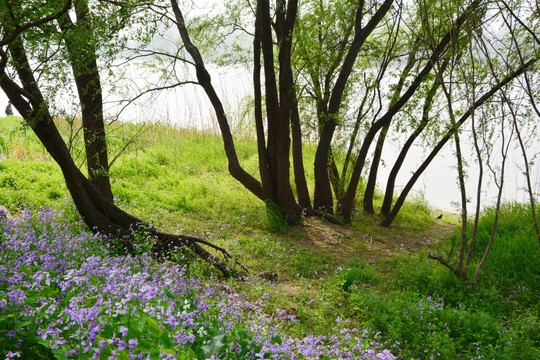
x,y
515,257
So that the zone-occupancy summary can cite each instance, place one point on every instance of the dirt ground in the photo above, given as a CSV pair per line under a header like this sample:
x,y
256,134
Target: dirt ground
x,y
342,241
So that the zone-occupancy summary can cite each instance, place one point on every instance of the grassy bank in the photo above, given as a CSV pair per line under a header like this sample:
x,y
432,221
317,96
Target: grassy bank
x,y
331,279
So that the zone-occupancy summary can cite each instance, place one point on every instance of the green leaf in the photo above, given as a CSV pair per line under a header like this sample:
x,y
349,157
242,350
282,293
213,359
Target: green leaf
x,y
60,353
276,340
165,338
122,355
137,325
154,354
153,326
6,318
22,324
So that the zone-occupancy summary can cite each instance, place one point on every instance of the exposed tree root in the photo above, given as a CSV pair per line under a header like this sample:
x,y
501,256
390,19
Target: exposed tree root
x,y
165,243
326,216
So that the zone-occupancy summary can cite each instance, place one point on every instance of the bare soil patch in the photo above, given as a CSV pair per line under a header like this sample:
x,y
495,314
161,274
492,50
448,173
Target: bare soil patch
x,y
346,242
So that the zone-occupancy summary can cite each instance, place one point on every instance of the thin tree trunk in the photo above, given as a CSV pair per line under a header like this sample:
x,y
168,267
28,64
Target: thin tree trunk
x,y
527,174
526,164
298,159
335,177
259,122
369,193
463,193
460,169
391,183
478,197
323,192
359,119
504,153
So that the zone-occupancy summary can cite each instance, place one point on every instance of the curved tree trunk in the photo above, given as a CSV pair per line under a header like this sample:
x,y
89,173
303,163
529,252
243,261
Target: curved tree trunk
x,y
235,169
500,185
335,177
391,182
369,193
470,248
99,213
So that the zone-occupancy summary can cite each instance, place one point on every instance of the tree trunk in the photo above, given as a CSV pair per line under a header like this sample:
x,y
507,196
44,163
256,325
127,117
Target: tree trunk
x,y
235,169
499,184
369,193
391,182
285,196
359,119
82,54
259,122
335,177
465,271
323,192
298,159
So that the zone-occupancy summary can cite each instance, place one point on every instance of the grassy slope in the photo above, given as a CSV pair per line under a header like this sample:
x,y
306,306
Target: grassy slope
x,y
178,180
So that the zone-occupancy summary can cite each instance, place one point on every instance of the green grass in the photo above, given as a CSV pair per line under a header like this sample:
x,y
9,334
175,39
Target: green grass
x,y
360,275
514,259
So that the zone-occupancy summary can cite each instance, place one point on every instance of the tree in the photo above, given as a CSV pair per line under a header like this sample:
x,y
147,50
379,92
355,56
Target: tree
x,y
486,135
328,44
17,24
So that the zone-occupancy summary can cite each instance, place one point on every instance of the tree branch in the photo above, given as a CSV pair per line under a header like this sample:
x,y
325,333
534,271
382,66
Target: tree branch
x,y
20,29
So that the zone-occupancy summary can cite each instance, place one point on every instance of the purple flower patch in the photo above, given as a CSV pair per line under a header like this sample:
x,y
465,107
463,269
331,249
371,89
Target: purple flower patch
x,y
63,286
